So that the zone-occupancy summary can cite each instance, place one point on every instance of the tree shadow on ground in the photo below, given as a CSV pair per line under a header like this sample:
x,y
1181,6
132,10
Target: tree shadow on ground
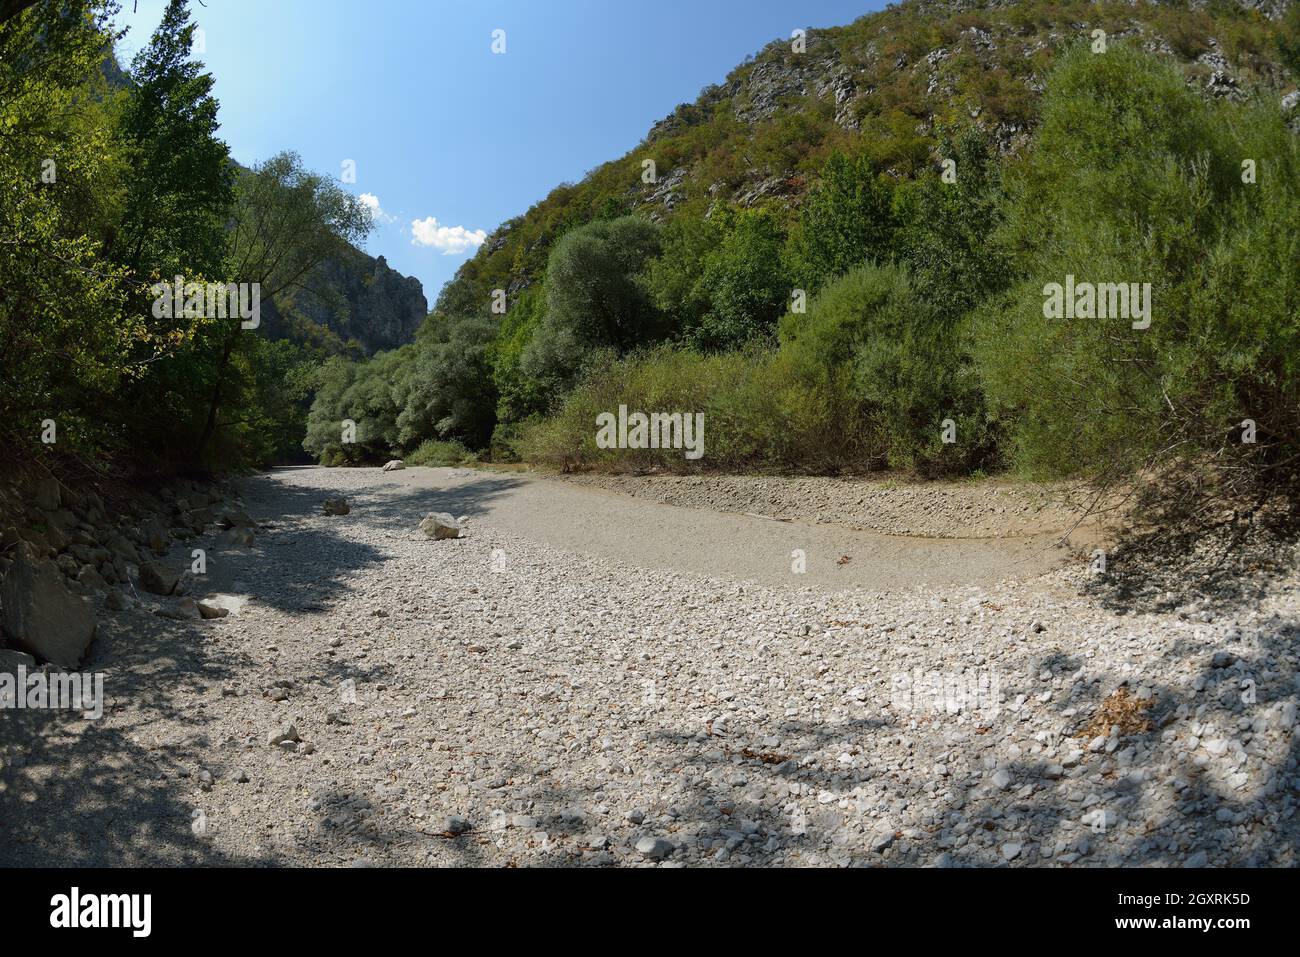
x,y
315,558
1184,555
122,790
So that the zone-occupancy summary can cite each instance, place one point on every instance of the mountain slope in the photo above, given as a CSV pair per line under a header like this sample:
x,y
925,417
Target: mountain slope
x,y
883,85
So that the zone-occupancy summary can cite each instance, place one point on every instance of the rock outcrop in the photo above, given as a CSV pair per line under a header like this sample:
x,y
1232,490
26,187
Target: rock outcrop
x,y
360,299
41,615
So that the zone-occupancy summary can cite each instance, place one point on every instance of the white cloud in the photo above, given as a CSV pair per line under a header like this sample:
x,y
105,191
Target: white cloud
x,y
450,239
371,202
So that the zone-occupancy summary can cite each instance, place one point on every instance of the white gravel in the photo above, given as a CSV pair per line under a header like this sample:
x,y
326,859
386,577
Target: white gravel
x,y
497,700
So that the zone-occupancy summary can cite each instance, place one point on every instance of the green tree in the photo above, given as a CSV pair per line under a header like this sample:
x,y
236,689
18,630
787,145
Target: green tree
x,y
181,190
66,337
747,283
1135,179
847,219
595,300
286,221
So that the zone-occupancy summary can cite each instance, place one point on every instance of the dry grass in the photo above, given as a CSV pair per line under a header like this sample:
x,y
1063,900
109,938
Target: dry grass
x,y
1131,713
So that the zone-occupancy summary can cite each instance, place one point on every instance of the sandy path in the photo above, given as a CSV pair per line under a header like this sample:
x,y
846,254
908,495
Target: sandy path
x,y
737,547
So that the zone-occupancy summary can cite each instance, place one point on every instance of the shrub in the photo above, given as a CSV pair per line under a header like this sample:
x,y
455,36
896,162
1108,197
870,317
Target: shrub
x,y
1134,178
435,452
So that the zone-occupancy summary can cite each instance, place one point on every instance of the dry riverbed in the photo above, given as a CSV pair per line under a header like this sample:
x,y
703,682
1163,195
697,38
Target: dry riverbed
x,y
595,678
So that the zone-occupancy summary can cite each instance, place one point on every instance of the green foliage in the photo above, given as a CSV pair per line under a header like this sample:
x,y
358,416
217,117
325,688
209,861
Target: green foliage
x,y
595,300
675,278
446,389
1133,178
592,286
948,242
747,283
519,395
433,453
181,189
904,362
66,337
1288,41
759,412
847,219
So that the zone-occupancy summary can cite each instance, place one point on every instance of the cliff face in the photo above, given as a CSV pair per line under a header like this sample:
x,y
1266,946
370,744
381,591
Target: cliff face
x,y
358,304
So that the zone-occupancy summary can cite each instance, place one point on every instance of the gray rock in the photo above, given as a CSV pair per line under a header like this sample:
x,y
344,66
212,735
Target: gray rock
x,y
336,506
120,546
186,609
653,848
155,533
440,525
91,578
42,616
237,518
395,465
454,825
281,735
1223,659
11,659
238,536
159,578
47,495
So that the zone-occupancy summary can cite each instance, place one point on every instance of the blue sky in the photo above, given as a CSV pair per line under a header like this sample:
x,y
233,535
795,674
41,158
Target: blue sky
x,y
450,138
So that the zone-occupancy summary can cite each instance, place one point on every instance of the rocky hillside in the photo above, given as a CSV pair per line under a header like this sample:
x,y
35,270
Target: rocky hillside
x,y
886,84
362,303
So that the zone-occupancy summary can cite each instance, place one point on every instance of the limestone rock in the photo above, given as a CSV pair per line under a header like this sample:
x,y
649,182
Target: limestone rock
x,y
159,578
42,616
440,525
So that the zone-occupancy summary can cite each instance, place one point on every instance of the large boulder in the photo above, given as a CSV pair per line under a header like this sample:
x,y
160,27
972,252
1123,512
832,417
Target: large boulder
x,y
237,518
121,547
440,525
42,616
159,577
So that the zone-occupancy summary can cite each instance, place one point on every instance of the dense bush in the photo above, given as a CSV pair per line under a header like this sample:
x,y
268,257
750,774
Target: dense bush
x,y
1133,178
847,218
759,412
